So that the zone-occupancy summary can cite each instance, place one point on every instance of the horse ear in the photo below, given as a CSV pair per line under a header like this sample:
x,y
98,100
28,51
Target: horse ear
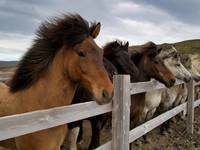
x,y
95,30
127,45
159,50
177,56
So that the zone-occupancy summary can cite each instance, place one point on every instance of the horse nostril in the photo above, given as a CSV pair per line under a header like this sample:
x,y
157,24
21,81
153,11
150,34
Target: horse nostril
x,y
187,79
134,73
105,95
173,81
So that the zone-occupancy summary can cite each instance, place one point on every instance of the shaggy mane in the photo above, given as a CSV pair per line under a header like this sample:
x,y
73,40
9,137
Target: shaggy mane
x,y
67,30
112,47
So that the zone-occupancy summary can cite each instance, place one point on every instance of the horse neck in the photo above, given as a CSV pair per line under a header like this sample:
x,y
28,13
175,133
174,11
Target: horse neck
x,y
142,77
53,90
138,100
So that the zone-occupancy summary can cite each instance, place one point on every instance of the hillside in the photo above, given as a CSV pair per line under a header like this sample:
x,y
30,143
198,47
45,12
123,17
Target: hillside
x,y
8,63
189,46
8,66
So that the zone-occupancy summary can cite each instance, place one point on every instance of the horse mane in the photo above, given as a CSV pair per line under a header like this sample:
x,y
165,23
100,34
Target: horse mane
x,y
67,30
186,60
148,48
111,47
167,53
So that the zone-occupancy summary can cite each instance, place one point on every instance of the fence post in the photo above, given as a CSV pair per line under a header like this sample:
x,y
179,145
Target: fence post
x,y
190,107
121,113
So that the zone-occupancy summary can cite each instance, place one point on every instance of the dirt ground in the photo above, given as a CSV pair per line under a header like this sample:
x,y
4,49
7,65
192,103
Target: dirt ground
x,y
177,140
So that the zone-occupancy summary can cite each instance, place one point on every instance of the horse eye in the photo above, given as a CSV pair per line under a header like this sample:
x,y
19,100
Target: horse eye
x,y
81,53
155,62
178,65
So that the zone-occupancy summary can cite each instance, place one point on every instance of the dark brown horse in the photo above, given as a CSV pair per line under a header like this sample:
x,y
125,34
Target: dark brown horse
x,y
117,53
150,66
63,54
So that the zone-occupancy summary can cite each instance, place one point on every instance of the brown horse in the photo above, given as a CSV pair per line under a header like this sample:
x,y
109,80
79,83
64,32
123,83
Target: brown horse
x,y
117,53
63,54
150,66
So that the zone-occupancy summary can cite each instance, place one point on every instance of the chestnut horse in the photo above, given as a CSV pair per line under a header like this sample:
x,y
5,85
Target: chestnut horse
x,y
117,53
150,66
63,54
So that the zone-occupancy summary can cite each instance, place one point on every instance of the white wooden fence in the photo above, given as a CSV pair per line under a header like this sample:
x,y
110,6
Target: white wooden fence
x,y
20,124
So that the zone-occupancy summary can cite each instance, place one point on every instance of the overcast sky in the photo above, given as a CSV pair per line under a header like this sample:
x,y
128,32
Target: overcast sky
x,y
136,21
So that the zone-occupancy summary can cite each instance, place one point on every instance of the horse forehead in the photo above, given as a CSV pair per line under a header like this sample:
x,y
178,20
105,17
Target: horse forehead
x,y
196,58
88,44
122,53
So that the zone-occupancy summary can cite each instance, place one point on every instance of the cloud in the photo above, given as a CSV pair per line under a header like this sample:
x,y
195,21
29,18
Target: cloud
x,y
10,55
15,41
183,10
136,21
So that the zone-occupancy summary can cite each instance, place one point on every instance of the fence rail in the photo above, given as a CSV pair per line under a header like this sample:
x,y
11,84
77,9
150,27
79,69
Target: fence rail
x,y
20,124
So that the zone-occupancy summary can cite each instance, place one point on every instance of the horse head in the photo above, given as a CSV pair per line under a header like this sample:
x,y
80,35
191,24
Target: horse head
x,y
187,63
151,66
171,59
117,53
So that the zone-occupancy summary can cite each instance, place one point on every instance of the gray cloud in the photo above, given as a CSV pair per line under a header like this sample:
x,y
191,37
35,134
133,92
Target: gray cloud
x,y
183,10
136,21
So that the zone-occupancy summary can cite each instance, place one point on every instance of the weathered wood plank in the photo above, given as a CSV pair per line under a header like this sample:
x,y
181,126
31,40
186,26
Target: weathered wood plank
x,y
153,123
121,113
106,146
16,125
197,83
190,107
196,103
140,87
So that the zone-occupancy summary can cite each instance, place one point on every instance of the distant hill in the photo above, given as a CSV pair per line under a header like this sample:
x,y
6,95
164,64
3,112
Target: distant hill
x,y
189,46
8,63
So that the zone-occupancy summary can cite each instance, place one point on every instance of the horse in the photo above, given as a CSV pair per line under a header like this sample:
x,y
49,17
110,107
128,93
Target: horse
x,y
186,60
150,66
172,60
84,95
183,92
169,96
63,54
117,53
196,63
81,95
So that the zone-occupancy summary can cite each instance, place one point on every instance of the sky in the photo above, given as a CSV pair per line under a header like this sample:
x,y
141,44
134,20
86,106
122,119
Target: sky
x,y
135,21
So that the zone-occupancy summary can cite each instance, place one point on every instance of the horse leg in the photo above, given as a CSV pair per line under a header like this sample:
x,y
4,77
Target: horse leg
x,y
80,134
163,129
149,116
80,125
169,130
96,130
